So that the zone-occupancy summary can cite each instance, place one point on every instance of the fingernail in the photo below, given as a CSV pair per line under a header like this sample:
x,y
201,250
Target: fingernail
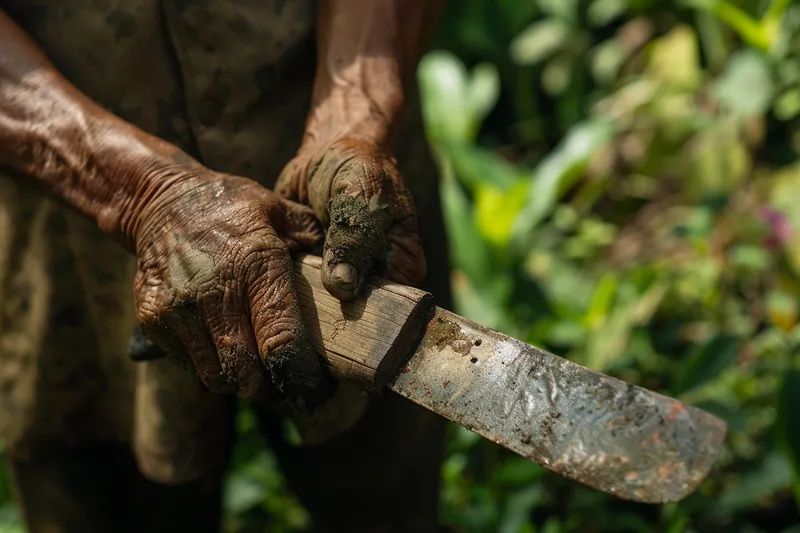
x,y
345,276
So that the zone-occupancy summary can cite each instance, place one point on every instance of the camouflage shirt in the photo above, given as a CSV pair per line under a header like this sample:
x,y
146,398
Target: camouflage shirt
x,y
229,81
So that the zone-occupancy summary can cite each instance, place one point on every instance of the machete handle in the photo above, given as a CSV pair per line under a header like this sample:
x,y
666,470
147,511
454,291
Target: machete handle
x,y
366,340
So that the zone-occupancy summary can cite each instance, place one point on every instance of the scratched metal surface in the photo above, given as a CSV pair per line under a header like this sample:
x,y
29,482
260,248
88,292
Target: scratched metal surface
x,y
600,431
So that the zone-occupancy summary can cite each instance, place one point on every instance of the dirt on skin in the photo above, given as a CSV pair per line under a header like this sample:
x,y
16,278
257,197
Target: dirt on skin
x,y
357,232
300,375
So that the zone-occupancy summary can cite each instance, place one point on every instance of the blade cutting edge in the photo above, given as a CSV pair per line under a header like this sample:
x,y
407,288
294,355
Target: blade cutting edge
x,y
610,435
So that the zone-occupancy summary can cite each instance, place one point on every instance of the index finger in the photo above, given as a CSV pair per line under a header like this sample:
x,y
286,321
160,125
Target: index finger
x,y
281,336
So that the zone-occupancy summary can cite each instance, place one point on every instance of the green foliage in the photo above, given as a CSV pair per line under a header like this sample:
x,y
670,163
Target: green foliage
x,y
620,182
629,203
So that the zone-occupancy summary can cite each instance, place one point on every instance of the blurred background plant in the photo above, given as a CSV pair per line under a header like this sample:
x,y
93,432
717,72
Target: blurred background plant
x,y
620,182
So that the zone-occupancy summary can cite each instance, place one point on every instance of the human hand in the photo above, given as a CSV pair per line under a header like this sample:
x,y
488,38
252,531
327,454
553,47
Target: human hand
x,y
215,283
357,193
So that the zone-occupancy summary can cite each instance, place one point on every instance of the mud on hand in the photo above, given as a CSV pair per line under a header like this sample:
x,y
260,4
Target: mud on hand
x,y
357,192
215,284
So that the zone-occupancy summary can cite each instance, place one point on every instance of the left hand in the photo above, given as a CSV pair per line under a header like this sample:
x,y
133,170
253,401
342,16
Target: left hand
x,y
356,191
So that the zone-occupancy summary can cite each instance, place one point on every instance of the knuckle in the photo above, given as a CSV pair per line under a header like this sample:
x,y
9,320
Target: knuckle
x,y
276,333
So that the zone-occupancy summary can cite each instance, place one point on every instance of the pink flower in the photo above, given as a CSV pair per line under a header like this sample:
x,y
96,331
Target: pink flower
x,y
780,229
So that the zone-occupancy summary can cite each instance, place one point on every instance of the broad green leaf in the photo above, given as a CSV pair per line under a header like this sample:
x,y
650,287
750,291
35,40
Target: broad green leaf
x,y
476,166
455,102
606,344
483,90
566,10
602,300
746,86
675,59
467,248
787,106
496,210
720,162
782,310
707,362
749,258
539,41
242,493
557,75
750,29
607,59
443,83
558,171
602,12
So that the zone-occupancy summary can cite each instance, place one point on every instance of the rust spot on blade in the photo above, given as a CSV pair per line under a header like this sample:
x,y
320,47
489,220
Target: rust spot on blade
x,y
443,332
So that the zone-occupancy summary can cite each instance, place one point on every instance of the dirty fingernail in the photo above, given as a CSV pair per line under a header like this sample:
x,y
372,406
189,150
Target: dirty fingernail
x,y
340,279
345,276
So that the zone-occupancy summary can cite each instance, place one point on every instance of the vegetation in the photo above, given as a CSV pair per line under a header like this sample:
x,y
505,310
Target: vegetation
x,y
619,182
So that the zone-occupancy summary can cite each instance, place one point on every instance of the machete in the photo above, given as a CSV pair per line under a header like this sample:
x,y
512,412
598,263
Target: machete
x,y
598,430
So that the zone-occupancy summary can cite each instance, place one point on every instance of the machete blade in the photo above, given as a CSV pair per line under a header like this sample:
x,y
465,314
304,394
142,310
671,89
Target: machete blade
x,y
610,435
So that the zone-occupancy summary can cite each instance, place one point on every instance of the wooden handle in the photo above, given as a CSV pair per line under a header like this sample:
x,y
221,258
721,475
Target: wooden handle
x,y
367,340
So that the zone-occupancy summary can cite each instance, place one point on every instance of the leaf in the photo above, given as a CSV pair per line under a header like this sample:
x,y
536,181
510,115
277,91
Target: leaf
x,y
602,12
454,105
559,170
495,211
786,427
469,252
787,106
607,59
675,59
751,30
483,90
746,86
242,493
602,300
708,361
475,166
606,344
782,310
564,9
539,41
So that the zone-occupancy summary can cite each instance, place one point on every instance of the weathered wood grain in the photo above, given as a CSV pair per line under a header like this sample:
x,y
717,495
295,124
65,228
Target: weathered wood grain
x,y
366,340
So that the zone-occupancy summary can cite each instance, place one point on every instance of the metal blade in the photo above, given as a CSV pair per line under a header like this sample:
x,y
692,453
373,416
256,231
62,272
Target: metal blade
x,y
598,430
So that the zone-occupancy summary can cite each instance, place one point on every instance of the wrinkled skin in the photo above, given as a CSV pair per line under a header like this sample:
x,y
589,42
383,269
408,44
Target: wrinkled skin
x,y
218,287
373,230
214,279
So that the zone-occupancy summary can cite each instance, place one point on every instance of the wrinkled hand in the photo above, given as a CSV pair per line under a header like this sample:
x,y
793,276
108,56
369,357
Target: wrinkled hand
x,y
215,283
358,194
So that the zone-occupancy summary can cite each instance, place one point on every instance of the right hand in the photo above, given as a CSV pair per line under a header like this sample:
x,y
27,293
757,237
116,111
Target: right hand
x,y
215,282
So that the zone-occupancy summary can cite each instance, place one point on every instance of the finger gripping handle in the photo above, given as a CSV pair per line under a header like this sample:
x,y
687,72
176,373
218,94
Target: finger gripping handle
x,y
367,340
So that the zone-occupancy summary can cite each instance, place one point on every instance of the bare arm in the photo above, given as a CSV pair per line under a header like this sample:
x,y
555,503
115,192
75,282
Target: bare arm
x,y
368,51
52,133
215,275
368,54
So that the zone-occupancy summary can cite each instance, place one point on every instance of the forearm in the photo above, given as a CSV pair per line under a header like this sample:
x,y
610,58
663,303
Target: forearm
x,y
368,51
52,133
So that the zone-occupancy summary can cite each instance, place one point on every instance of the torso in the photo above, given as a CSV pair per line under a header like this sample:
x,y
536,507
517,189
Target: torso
x,y
227,80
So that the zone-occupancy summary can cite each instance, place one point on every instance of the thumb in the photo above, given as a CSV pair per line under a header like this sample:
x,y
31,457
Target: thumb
x,y
356,239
